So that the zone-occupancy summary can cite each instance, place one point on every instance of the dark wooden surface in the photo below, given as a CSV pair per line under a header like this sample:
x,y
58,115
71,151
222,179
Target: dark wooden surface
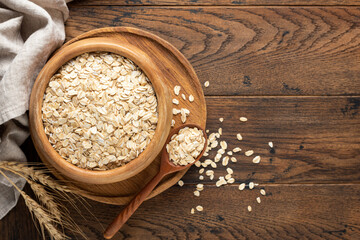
x,y
294,72
253,51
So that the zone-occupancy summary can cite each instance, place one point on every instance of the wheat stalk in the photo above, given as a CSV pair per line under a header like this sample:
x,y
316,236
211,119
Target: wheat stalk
x,y
31,174
45,219
38,175
45,198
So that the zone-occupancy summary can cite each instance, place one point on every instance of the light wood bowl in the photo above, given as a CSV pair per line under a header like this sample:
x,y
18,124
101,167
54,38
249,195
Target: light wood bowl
x,y
48,154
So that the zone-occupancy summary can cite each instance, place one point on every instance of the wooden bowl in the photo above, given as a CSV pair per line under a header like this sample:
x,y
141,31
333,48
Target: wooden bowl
x,y
48,154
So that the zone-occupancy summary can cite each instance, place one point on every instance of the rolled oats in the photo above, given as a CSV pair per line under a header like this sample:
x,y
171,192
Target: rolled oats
x,y
177,90
99,111
191,98
186,146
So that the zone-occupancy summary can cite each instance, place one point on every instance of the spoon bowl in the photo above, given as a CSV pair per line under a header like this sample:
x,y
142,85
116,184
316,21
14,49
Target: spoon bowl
x,y
166,164
166,167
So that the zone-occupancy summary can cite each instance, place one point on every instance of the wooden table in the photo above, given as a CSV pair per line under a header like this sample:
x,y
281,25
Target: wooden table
x,y
293,69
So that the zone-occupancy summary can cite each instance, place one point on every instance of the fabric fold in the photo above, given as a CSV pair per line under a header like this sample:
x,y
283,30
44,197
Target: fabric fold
x,y
29,32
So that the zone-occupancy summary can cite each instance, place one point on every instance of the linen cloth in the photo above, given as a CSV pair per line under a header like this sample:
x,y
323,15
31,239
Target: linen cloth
x,y
30,30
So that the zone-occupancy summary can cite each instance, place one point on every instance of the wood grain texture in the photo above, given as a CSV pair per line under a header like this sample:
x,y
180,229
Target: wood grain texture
x,y
259,52
250,51
316,139
287,212
216,2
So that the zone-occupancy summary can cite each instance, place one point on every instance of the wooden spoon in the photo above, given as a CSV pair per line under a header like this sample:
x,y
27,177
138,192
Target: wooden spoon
x,y
166,167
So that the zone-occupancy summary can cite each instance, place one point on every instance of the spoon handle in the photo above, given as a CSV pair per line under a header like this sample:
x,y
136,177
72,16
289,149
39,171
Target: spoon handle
x,y
126,213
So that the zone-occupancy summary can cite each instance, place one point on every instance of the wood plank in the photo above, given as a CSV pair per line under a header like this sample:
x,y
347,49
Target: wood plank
x,y
248,50
287,212
316,140
216,2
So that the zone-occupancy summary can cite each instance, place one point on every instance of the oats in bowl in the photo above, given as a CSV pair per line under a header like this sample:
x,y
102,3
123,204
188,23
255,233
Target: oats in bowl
x,y
99,111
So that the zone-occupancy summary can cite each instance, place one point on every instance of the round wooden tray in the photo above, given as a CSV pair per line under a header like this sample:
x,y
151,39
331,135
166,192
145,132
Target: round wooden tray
x,y
177,71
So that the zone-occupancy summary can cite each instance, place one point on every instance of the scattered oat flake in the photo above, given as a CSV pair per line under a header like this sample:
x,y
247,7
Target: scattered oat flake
x,y
192,211
251,185
209,172
221,182
243,119
183,96
197,193
249,208
262,192
199,208
242,186
200,185
249,153
201,177
227,176
256,159
230,153
213,165
271,144
225,161
206,84
172,122
231,180
221,119
220,131
233,159
239,137
175,101
221,151
229,171
214,144
258,199
207,131
181,183
208,161
177,90
191,98
237,149
176,111
223,145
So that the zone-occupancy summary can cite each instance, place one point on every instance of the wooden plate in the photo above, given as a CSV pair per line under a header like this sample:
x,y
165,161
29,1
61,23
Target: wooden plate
x,y
177,71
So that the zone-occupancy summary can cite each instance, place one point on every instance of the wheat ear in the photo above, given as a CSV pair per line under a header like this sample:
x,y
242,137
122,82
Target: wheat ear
x,y
40,213
24,172
37,175
46,199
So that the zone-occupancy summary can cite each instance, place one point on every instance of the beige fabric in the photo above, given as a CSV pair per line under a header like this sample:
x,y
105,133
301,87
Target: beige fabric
x,y
29,32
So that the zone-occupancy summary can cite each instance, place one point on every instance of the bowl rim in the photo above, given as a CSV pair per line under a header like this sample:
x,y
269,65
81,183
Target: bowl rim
x,y
50,156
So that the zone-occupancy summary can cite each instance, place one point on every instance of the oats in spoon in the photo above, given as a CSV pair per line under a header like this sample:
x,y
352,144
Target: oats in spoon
x,y
185,146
